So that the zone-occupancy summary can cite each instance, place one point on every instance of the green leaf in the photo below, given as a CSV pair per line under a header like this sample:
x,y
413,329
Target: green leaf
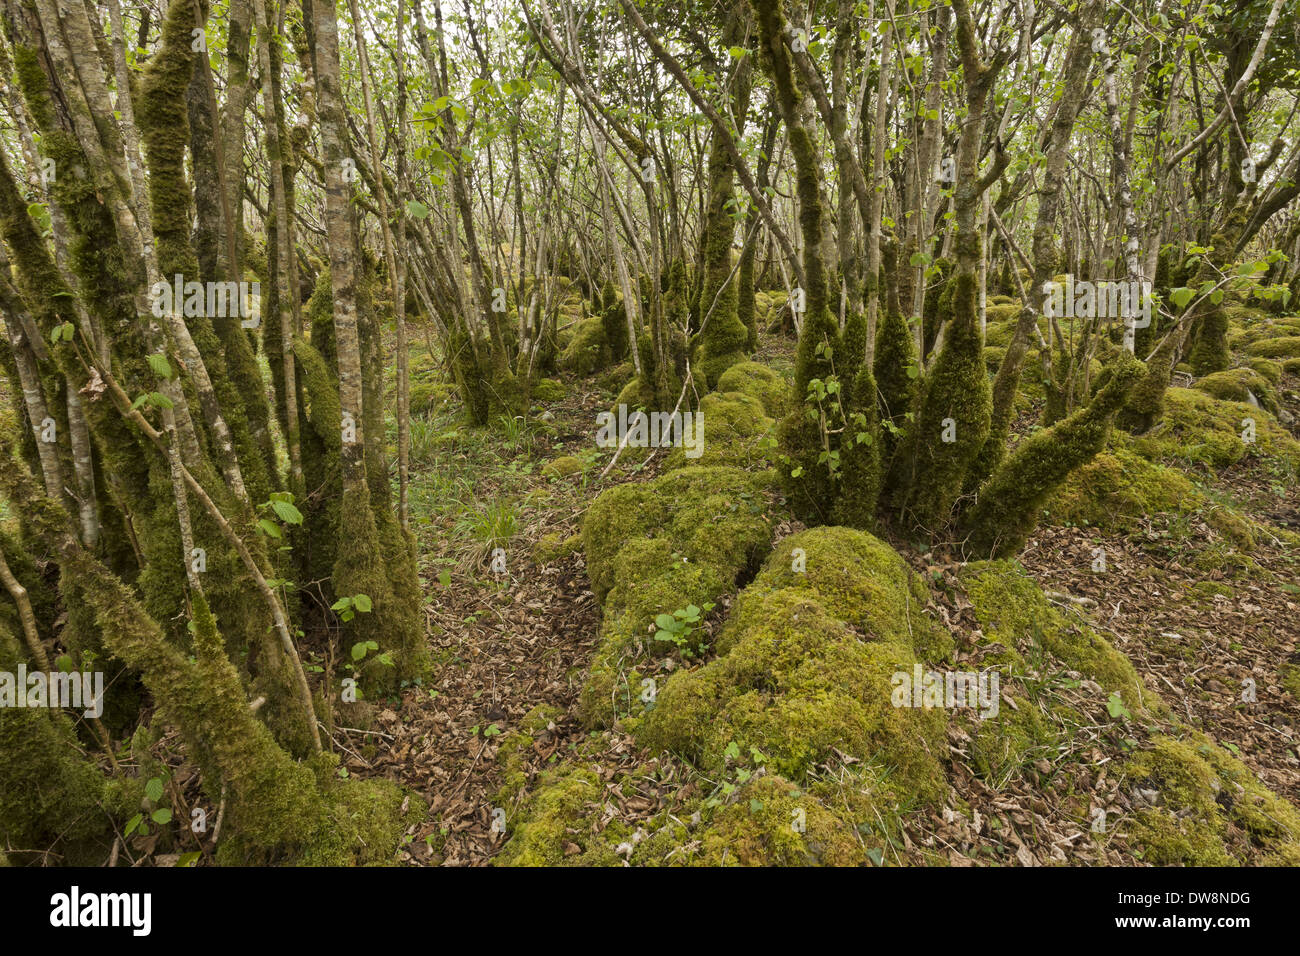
x,y
362,603
444,578
161,815
133,823
358,650
154,789
189,859
286,512
665,620
416,209
269,528
876,856
1180,296
161,367
1115,706
732,752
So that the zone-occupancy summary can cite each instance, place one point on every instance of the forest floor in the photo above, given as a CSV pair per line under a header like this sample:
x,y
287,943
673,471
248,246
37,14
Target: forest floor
x,y
514,646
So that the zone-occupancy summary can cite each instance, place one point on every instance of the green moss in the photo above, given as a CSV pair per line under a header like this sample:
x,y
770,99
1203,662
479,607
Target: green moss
x,y
52,794
759,382
1010,502
549,390
1013,611
896,378
617,378
657,546
1199,428
562,467
1239,385
757,829
1270,370
1212,810
1287,346
588,350
997,313
957,405
1119,490
732,427
552,818
1004,743
805,664
1289,678
364,820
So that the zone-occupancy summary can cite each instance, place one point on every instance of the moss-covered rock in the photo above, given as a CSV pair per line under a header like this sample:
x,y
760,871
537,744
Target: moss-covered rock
x,y
805,664
549,829
1199,428
758,828
1210,810
731,427
1119,490
759,382
549,390
1286,346
588,350
562,467
1240,385
655,547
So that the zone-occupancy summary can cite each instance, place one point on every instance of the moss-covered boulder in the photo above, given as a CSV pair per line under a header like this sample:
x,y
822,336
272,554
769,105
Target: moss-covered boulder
x,y
587,351
1119,490
1199,428
1208,809
1240,385
730,429
1285,346
655,547
805,664
759,382
562,467
549,390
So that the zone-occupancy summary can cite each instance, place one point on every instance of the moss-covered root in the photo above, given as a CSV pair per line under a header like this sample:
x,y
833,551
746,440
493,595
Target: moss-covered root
x,y
1011,501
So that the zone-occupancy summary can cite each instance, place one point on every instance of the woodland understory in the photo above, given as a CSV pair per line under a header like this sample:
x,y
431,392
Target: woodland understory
x,y
987,314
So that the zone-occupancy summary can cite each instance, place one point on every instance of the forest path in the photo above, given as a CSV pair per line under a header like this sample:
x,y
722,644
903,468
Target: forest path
x,y
504,645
